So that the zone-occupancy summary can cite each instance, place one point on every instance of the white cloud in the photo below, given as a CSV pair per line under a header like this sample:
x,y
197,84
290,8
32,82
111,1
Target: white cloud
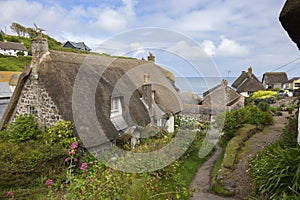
x,y
227,47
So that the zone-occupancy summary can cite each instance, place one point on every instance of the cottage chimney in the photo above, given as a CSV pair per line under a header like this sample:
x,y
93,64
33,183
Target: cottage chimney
x,y
224,83
151,58
250,71
147,91
39,48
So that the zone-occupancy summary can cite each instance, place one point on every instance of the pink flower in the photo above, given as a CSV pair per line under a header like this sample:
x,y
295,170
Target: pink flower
x,y
110,170
67,159
83,166
49,182
75,160
74,145
10,193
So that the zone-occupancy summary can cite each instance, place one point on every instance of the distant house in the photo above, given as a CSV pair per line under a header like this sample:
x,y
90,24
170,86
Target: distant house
x,y
247,83
5,94
218,99
272,80
12,48
102,96
293,83
80,46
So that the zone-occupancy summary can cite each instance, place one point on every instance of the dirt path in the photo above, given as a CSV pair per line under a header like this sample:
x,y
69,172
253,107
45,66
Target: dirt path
x,y
201,182
255,144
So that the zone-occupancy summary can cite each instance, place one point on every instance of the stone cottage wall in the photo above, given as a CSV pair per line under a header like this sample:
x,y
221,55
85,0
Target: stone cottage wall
x,y
35,100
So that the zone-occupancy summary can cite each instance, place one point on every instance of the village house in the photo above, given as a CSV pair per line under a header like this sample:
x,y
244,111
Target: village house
x,y
216,100
80,46
12,48
94,92
293,83
272,80
247,83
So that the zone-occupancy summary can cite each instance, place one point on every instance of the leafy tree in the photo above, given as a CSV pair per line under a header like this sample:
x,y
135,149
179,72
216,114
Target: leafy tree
x,y
18,28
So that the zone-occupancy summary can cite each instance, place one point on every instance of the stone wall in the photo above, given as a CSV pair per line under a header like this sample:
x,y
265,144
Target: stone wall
x,y
35,100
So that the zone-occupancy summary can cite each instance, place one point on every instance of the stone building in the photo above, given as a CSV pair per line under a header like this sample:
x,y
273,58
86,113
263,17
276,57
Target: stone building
x,y
102,96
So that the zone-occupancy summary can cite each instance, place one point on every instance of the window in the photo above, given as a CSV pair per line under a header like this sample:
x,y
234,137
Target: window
x,y
31,110
116,107
297,85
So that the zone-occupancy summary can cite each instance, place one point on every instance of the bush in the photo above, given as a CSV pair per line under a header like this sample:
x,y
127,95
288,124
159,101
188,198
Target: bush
x,y
263,106
233,120
23,129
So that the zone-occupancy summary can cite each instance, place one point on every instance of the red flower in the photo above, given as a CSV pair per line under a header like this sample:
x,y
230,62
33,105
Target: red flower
x,y
49,183
83,166
10,193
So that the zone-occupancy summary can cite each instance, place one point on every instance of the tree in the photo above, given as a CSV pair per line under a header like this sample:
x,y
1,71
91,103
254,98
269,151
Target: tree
x,y
18,28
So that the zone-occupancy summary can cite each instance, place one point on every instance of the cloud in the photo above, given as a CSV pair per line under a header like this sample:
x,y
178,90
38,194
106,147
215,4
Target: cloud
x,y
227,47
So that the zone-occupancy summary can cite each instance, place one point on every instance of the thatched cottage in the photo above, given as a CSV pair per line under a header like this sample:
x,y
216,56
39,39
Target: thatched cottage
x,y
12,48
247,83
272,80
103,96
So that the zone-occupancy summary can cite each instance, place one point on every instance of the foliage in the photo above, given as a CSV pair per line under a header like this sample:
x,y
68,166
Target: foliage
x,y
12,63
23,129
263,106
263,94
229,122
276,169
27,157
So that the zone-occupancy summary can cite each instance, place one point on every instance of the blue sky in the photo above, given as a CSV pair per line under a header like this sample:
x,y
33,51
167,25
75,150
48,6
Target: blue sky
x,y
233,34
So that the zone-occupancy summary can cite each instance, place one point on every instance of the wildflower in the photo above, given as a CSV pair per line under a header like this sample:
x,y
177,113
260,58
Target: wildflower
x,y
83,166
10,193
67,159
75,159
49,183
74,145
110,170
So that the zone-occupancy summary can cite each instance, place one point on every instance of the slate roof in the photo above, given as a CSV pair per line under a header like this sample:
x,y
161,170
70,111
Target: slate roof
x,y
5,91
12,46
275,77
77,45
293,79
221,95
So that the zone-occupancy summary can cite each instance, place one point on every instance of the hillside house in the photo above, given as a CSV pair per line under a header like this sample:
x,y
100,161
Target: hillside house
x,y
293,83
80,46
216,100
272,80
247,83
102,96
12,48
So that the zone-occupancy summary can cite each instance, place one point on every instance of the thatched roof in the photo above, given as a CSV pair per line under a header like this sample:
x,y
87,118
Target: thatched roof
x,y
275,77
189,98
250,85
13,46
289,18
82,85
247,82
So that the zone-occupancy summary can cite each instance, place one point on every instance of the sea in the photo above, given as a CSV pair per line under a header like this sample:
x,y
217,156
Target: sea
x,y
199,85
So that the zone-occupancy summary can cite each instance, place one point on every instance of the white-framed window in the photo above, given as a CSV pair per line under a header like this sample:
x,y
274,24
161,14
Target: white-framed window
x,y
116,106
31,110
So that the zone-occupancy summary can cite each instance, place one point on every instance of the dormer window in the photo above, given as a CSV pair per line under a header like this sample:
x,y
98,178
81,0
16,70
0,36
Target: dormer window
x,y
116,107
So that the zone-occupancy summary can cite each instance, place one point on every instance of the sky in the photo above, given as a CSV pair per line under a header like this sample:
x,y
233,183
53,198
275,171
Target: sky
x,y
188,37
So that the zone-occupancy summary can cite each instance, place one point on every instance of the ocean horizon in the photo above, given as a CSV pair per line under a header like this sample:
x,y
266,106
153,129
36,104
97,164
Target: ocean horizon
x,y
199,85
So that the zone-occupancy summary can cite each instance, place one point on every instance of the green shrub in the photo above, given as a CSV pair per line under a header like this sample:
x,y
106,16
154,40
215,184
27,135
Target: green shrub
x,y
263,106
23,129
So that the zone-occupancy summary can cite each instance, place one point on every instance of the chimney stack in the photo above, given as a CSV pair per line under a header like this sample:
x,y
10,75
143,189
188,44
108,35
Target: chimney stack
x,y
224,83
151,58
250,70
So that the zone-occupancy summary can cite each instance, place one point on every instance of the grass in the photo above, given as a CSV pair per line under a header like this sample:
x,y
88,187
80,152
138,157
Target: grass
x,y
12,63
